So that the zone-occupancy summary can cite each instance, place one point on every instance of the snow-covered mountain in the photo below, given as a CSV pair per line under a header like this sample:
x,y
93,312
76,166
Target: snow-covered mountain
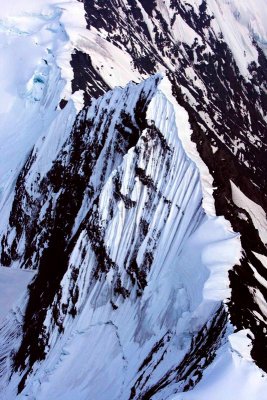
x,y
133,196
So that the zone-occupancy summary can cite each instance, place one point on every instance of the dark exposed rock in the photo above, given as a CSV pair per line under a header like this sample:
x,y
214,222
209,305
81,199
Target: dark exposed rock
x,y
86,77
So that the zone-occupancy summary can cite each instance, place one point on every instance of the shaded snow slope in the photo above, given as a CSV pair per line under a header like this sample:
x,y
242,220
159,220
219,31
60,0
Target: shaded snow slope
x,y
13,284
132,295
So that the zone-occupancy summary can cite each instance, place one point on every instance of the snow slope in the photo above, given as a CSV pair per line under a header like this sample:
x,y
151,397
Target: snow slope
x,y
229,375
148,291
13,284
135,278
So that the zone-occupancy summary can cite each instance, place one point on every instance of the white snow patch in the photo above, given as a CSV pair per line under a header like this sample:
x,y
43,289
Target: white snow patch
x,y
241,343
113,64
236,35
182,32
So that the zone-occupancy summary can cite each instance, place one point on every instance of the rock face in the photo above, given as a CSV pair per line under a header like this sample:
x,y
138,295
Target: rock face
x,y
118,215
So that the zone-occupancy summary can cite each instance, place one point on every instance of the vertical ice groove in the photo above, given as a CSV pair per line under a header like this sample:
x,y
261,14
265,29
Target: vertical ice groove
x,y
161,277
